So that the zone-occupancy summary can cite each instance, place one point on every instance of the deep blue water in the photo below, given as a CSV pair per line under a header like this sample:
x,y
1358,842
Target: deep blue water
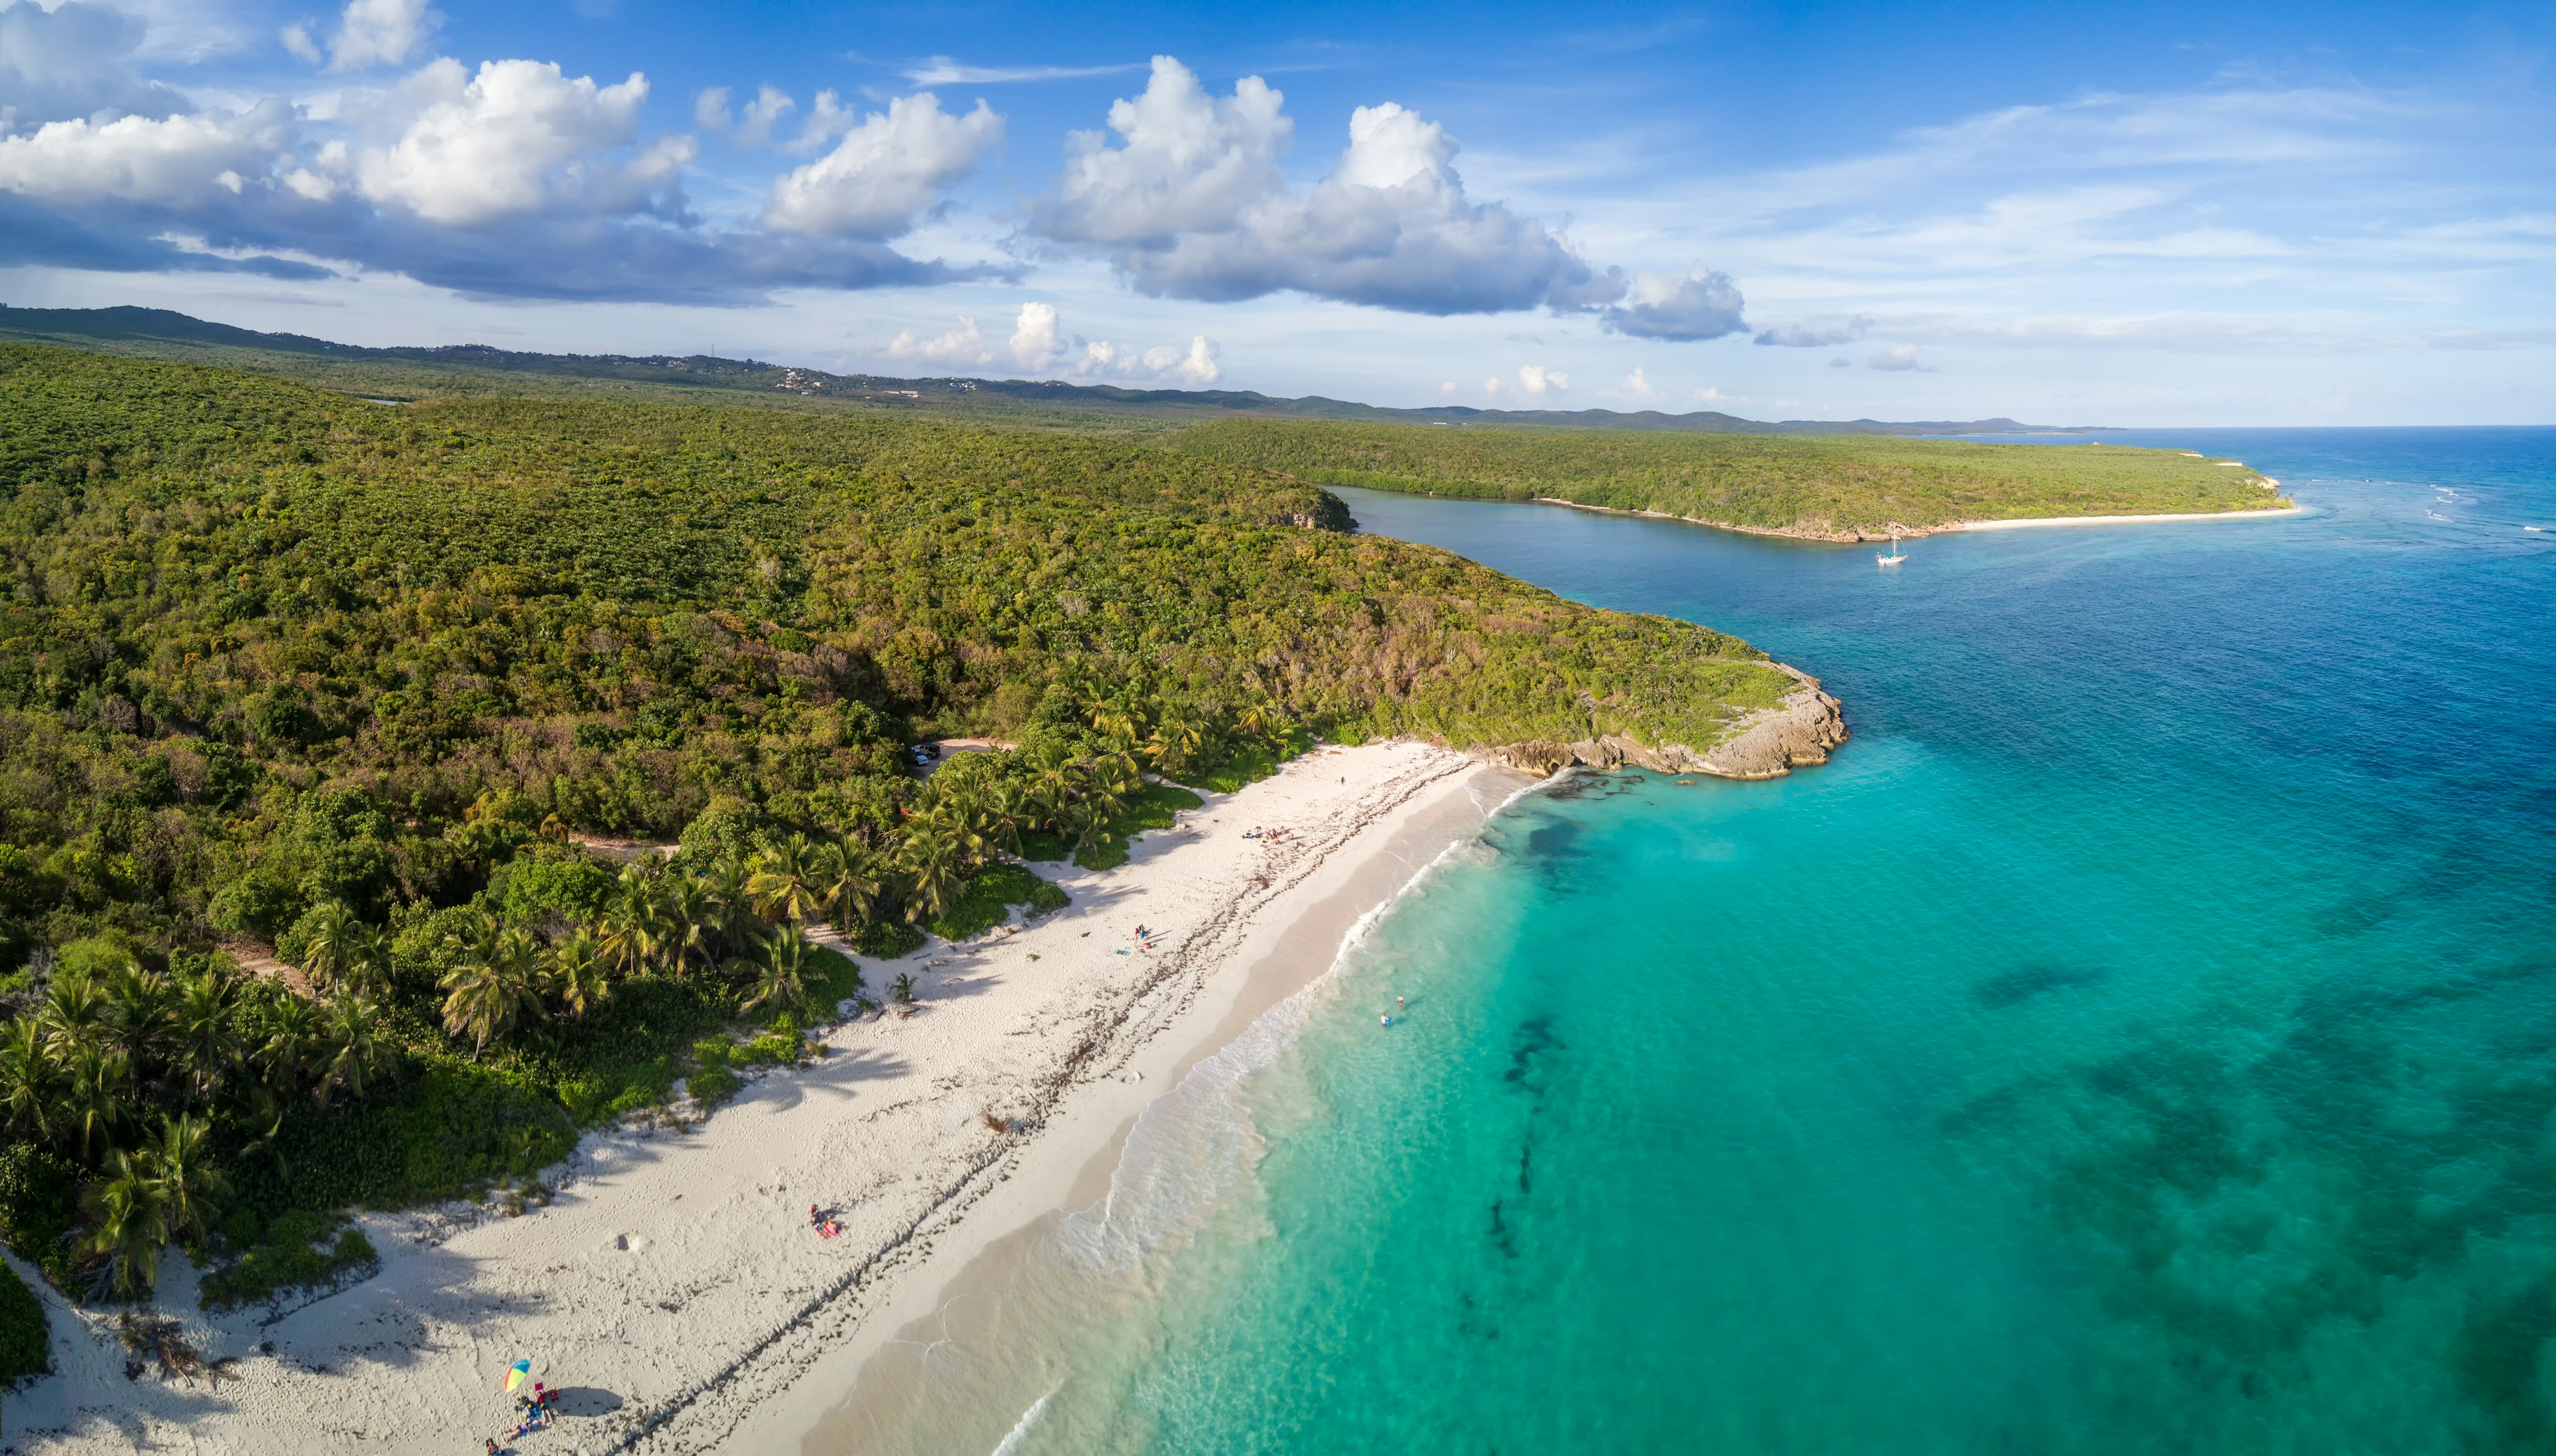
x,y
2140,1037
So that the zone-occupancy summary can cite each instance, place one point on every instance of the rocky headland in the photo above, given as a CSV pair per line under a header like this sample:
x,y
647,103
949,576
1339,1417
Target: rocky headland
x,y
1766,744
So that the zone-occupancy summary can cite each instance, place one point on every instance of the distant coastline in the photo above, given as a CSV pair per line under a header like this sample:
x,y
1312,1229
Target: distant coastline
x,y
1846,538
2018,523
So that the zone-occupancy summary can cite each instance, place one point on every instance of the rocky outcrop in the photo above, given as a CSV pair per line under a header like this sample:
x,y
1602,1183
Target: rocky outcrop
x,y
1767,743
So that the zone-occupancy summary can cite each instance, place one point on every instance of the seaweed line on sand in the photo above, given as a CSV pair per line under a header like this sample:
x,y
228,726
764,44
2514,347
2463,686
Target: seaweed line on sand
x,y
1112,1034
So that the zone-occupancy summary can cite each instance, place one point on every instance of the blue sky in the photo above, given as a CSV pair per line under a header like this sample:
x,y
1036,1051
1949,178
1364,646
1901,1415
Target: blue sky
x,y
2093,214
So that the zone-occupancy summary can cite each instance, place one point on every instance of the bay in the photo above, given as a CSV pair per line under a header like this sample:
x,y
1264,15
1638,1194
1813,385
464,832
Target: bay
x,y
2142,1035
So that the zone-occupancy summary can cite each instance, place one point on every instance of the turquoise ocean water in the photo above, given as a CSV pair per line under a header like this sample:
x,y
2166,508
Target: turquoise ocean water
x,y
2142,1038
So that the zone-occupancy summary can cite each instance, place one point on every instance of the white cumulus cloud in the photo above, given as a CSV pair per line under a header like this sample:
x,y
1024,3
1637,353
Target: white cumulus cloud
x,y
1683,308
1036,344
885,173
965,344
1534,381
370,33
1901,358
1197,366
754,126
1192,204
1189,161
170,161
502,142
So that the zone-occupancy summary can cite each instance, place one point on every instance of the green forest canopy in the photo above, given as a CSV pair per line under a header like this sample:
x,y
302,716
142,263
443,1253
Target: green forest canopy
x,y
1818,485
285,671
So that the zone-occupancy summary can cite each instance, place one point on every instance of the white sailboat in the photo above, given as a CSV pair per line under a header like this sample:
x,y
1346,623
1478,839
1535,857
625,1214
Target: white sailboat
x,y
1896,554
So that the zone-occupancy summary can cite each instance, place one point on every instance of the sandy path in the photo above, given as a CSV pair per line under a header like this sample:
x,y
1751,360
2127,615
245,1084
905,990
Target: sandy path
x,y
672,1286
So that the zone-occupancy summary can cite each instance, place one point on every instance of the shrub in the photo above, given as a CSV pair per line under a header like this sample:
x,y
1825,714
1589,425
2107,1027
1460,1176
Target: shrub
x,y
1153,807
987,899
557,882
290,1256
453,1125
25,1343
887,939
712,1081
772,1049
39,1207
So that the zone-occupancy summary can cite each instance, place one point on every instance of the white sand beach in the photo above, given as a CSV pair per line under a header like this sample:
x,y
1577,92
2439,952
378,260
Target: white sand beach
x,y
672,1286
2156,519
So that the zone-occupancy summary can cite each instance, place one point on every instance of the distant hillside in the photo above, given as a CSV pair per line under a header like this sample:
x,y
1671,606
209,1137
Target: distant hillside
x,y
1834,487
477,369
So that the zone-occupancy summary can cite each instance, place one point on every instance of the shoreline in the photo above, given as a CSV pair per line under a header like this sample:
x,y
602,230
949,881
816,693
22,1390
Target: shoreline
x,y
2021,522
1064,1027
1913,533
1080,1168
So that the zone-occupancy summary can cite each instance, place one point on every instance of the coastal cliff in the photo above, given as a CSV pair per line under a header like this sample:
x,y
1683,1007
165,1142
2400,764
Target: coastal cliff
x,y
1766,744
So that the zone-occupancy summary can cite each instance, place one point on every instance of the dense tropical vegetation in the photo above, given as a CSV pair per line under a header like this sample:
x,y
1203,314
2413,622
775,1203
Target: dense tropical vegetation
x,y
1812,485
386,793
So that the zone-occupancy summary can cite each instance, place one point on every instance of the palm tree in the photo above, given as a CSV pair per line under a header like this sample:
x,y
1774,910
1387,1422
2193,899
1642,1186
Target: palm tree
x,y
1086,822
1260,720
335,943
206,1044
781,975
1175,744
187,1175
687,919
1115,723
936,868
577,973
1117,778
729,904
95,1079
995,813
31,1078
370,973
954,811
631,933
847,887
356,1045
74,1014
141,1009
281,1034
783,886
1055,784
128,1215
490,989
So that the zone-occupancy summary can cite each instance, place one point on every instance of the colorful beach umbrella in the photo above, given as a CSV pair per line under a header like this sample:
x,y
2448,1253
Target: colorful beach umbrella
x,y
517,1372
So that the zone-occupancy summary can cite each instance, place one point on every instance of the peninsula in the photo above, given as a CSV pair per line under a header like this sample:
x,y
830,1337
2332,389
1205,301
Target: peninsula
x,y
1825,487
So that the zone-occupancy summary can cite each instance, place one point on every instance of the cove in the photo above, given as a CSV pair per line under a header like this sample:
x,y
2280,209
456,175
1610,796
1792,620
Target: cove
x,y
2140,1037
